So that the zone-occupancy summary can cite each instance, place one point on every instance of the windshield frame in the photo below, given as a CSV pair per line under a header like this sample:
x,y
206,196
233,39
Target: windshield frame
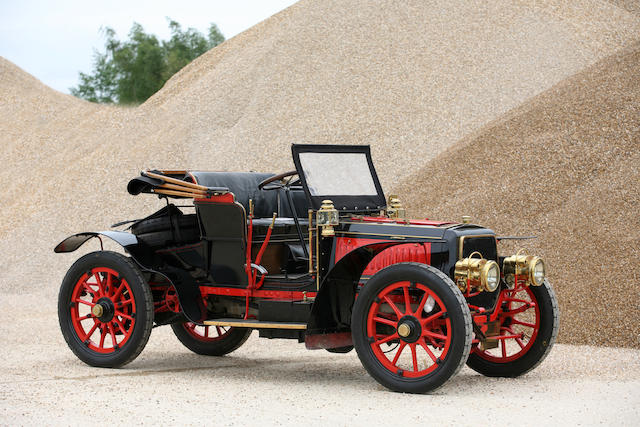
x,y
361,203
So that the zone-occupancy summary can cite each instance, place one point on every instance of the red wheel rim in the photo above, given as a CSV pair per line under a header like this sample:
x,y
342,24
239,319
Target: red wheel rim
x,y
429,339
104,287
206,333
519,321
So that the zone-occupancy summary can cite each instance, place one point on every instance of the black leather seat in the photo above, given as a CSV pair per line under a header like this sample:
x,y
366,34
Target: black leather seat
x,y
244,186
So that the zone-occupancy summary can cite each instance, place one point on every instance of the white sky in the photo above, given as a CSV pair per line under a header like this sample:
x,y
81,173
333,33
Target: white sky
x,y
54,40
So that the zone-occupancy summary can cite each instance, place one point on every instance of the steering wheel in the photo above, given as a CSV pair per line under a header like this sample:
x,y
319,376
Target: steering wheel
x,y
264,185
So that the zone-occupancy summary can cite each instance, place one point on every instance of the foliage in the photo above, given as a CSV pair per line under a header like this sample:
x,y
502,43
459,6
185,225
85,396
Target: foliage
x,y
130,71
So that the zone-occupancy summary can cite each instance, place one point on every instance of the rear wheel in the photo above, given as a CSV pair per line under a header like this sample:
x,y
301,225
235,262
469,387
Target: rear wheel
x,y
411,328
528,321
105,309
210,340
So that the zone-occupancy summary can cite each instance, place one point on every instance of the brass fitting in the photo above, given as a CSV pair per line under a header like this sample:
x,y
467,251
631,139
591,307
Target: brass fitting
x,y
97,310
395,208
479,273
404,330
529,268
327,218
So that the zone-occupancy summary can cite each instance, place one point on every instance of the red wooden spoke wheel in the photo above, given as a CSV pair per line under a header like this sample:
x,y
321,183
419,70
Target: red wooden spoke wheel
x,y
169,300
206,333
411,327
528,326
105,309
399,318
210,340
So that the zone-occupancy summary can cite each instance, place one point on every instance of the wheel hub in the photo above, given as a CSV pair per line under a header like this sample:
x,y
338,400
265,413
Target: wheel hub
x,y
404,330
103,310
409,329
97,310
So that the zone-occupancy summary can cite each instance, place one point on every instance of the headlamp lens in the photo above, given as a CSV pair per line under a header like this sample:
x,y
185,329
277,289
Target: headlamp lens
x,y
538,272
493,277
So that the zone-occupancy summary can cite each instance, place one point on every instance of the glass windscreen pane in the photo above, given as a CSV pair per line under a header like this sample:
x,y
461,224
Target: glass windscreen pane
x,y
338,174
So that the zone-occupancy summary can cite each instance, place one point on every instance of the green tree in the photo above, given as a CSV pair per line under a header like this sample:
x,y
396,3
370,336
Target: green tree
x,y
130,72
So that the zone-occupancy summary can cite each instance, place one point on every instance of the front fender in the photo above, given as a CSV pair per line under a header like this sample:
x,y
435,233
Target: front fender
x,y
331,311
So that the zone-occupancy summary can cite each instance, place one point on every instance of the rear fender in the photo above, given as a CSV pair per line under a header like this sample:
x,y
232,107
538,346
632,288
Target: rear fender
x,y
72,243
187,290
331,311
128,241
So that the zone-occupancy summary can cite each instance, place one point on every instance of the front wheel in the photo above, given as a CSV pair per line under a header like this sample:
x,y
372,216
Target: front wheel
x,y
210,340
411,328
528,325
105,309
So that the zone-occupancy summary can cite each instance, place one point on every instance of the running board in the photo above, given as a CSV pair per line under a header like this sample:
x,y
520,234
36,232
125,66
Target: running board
x,y
256,324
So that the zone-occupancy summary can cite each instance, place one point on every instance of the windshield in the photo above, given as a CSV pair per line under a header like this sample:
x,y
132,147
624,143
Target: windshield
x,y
344,174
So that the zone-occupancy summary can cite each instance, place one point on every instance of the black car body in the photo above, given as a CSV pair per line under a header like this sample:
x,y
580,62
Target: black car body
x,y
319,255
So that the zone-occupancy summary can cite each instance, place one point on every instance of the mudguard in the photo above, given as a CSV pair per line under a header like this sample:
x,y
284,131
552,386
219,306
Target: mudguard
x,y
331,311
187,290
72,243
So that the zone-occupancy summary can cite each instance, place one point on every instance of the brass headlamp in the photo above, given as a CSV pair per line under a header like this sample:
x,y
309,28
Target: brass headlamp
x,y
529,268
395,208
327,217
479,273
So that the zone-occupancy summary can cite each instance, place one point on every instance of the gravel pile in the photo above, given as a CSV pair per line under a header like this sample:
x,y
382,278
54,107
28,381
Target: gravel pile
x,y
411,79
566,167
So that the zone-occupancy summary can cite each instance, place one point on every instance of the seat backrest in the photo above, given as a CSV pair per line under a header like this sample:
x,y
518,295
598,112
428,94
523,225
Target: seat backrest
x,y
225,227
244,186
300,204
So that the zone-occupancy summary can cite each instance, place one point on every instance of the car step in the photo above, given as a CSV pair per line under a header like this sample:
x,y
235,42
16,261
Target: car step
x,y
257,324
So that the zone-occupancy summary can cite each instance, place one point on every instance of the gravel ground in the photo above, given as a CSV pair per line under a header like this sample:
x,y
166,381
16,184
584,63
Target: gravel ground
x,y
276,382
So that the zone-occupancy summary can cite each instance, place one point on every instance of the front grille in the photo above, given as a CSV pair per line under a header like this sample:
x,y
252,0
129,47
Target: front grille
x,y
486,245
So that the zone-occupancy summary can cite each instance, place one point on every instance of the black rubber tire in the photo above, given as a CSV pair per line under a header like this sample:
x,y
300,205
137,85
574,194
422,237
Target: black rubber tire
x,y
144,309
340,350
157,232
458,313
549,322
231,340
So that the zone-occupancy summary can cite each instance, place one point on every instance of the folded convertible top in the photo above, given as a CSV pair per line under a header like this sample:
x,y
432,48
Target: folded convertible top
x,y
171,184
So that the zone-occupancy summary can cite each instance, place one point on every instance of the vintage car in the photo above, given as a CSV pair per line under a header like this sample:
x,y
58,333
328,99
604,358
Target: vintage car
x,y
318,255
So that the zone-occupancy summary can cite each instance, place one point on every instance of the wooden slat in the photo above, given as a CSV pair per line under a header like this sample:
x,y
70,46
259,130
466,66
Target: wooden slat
x,y
172,172
175,181
177,193
257,324
182,188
